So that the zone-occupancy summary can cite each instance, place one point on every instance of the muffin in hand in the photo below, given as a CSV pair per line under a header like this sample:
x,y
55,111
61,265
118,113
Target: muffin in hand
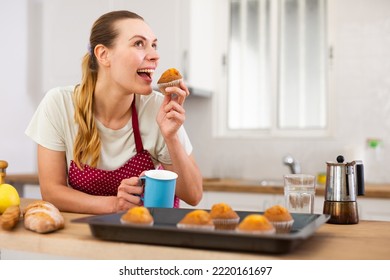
x,y
170,78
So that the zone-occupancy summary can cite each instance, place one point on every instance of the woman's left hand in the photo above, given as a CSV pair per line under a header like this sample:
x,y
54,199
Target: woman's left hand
x,y
172,114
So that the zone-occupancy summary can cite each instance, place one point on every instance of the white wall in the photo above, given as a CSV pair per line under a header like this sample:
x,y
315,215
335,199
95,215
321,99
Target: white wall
x,y
38,58
16,100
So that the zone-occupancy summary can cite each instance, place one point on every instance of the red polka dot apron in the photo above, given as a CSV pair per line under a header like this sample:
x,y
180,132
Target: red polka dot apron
x,y
101,182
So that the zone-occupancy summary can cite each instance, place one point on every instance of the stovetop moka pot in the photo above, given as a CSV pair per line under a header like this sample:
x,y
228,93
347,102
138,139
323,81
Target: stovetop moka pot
x,y
344,182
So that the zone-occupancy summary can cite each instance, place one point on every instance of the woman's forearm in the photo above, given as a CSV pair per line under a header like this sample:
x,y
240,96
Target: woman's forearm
x,y
69,200
189,185
53,185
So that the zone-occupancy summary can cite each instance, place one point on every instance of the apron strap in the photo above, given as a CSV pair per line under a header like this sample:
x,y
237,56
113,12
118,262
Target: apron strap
x,y
137,134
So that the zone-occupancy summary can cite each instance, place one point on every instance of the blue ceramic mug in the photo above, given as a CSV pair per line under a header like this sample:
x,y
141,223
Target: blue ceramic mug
x,y
160,188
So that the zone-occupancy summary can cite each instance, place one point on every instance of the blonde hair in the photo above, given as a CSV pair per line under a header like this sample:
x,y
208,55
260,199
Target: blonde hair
x,y
87,143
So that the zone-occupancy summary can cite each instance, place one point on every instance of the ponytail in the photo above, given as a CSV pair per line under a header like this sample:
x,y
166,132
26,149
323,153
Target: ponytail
x,y
87,144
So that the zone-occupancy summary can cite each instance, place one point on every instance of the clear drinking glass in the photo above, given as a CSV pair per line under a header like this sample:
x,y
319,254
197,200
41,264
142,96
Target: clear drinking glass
x,y
299,192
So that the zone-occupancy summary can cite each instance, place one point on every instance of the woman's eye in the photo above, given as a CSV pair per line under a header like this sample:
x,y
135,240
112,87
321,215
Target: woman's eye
x,y
139,43
154,46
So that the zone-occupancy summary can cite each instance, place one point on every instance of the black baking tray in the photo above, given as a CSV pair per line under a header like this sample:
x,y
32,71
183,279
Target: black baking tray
x,y
165,232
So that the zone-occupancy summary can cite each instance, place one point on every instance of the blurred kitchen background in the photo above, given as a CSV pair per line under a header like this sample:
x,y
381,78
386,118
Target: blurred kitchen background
x,y
43,41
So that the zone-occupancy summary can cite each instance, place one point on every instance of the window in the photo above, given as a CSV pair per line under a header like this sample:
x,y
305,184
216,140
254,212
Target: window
x,y
276,68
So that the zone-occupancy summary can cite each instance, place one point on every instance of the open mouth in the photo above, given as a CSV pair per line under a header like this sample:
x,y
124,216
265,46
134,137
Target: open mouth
x,y
145,73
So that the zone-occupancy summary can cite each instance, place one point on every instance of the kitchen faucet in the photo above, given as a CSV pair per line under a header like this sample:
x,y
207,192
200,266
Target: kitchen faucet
x,y
294,165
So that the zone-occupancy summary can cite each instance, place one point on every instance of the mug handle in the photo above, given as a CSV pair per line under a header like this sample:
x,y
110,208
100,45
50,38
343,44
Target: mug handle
x,y
142,181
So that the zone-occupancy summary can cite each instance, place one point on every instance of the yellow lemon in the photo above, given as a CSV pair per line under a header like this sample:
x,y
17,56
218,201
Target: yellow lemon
x,y
8,196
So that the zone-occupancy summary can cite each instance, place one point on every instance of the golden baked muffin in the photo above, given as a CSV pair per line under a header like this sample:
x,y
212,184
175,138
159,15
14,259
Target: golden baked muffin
x,y
169,78
138,215
256,224
280,218
170,75
196,219
223,216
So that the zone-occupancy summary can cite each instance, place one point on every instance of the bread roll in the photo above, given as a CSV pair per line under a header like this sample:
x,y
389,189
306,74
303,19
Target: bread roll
x,y
43,217
10,217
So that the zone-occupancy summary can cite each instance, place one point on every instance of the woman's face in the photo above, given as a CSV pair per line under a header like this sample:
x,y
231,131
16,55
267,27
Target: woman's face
x,y
134,57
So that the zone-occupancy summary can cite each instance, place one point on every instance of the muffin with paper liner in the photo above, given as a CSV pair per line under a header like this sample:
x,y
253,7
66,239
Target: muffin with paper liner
x,y
138,216
170,78
280,218
224,217
255,224
196,219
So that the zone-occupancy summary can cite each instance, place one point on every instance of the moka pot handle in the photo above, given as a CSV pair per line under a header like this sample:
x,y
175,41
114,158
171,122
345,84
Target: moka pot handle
x,y
360,177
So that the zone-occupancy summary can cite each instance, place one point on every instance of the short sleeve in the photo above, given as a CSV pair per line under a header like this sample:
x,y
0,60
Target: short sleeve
x,y
45,127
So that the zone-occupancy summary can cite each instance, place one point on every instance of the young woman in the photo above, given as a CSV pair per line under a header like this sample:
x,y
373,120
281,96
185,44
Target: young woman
x,y
96,138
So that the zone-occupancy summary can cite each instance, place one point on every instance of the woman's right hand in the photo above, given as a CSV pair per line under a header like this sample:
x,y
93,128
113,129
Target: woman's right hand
x,y
129,194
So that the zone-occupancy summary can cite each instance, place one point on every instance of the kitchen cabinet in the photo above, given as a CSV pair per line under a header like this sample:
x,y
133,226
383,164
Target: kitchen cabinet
x,y
374,209
246,201
251,195
198,37
368,208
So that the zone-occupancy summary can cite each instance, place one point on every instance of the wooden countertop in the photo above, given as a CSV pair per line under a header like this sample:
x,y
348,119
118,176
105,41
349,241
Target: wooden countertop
x,y
22,179
224,185
366,240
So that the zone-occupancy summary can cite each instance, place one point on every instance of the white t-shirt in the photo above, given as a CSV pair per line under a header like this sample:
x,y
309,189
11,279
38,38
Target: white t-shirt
x,y
53,127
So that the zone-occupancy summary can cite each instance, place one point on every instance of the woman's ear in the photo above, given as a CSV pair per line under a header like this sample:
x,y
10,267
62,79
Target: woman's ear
x,y
101,53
